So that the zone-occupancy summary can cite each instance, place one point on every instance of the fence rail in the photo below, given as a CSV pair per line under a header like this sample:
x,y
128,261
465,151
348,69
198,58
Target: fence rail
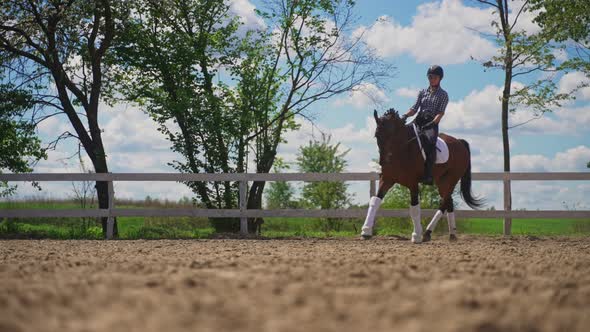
x,y
243,213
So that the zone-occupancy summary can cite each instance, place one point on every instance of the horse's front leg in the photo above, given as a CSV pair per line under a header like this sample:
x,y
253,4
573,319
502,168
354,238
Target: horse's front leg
x,y
374,203
415,214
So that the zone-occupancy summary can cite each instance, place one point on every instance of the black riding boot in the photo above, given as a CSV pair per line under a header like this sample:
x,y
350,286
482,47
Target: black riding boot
x,y
430,150
427,179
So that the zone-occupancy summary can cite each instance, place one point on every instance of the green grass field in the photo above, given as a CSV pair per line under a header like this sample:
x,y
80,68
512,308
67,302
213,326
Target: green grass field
x,y
189,227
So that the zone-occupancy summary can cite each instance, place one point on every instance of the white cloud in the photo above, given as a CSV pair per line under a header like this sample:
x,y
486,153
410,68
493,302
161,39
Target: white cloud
x,y
446,32
525,20
134,144
560,55
571,160
54,126
360,141
573,80
131,130
480,111
407,92
363,97
244,9
443,32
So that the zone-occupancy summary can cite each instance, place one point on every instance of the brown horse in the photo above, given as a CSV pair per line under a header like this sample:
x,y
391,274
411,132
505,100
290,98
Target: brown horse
x,y
402,162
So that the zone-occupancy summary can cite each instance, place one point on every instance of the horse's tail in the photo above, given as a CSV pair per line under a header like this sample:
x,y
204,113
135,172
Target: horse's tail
x,y
473,202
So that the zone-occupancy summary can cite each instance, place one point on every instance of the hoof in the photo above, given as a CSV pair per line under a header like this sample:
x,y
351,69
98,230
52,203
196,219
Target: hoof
x,y
416,238
366,237
453,238
426,237
366,233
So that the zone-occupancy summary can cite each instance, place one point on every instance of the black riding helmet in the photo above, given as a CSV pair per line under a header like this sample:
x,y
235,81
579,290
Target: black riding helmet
x,y
436,70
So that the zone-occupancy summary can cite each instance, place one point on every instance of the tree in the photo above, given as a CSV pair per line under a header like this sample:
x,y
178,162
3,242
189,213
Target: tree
x,y
323,157
310,58
173,50
522,55
19,145
167,60
62,44
280,193
565,21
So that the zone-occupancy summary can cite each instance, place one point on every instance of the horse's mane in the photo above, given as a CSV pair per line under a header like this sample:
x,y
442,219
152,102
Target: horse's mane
x,y
387,121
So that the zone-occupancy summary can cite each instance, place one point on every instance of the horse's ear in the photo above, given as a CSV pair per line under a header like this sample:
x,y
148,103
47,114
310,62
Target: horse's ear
x,y
375,116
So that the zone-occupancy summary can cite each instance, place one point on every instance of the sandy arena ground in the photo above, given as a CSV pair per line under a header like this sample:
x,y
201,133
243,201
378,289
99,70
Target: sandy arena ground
x,y
477,284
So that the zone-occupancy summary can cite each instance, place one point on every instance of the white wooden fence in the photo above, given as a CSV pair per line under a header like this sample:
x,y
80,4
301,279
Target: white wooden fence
x,y
243,213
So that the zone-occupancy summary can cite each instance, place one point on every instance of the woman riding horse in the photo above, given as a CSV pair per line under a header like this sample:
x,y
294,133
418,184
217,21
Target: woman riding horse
x,y
402,162
431,104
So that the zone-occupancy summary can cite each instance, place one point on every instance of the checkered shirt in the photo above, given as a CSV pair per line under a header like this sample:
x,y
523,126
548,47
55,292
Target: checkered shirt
x,y
430,103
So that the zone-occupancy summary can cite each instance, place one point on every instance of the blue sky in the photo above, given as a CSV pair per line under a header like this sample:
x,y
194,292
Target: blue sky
x,y
411,35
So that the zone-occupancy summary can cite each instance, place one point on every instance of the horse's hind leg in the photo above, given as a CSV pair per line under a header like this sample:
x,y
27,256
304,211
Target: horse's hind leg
x,y
451,221
446,204
432,225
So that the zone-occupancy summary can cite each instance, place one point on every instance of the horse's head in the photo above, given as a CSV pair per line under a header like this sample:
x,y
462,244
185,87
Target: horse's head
x,y
389,133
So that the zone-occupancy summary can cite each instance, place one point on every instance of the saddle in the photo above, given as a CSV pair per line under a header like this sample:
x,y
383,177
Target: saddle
x,y
442,155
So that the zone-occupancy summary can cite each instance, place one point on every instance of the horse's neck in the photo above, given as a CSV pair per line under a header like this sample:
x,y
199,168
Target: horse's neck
x,y
405,150
411,149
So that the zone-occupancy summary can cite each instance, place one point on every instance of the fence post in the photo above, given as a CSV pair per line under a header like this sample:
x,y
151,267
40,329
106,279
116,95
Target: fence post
x,y
243,202
507,204
110,219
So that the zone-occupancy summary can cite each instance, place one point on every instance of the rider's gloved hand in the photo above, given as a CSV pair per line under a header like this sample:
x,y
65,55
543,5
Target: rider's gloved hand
x,y
404,118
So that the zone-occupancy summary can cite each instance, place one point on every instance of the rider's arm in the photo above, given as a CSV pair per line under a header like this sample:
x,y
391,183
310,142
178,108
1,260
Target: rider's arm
x,y
441,109
438,117
416,106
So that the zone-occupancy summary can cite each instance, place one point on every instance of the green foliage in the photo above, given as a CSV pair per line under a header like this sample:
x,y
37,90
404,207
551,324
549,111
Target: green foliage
x,y
188,227
398,197
55,50
19,145
169,57
77,230
280,194
564,21
323,157
524,54
528,58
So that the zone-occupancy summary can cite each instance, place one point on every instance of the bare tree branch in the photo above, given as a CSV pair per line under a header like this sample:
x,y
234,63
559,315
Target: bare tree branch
x,y
518,14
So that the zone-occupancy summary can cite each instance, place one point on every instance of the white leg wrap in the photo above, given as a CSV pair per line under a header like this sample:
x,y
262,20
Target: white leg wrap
x,y
434,221
374,204
415,214
452,225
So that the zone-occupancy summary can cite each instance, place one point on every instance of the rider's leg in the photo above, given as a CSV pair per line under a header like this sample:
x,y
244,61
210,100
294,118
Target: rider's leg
x,y
430,150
